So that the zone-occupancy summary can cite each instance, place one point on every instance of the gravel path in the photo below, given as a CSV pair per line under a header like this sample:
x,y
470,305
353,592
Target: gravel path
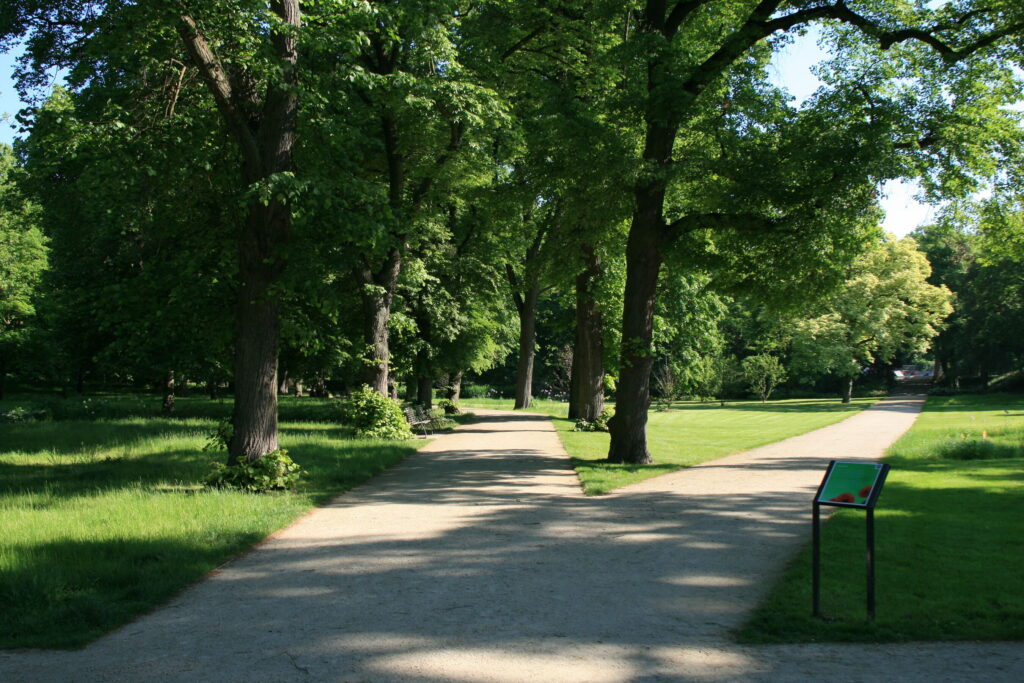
x,y
478,559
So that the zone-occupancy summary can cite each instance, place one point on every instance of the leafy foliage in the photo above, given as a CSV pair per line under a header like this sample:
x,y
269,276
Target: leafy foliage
x,y
763,372
599,424
272,472
374,416
449,406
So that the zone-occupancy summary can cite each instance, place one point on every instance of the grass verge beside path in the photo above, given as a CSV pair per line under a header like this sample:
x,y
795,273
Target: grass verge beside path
x,y
688,434
949,534
103,520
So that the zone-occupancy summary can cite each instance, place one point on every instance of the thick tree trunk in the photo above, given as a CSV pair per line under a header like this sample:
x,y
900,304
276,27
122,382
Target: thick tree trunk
x,y
628,426
454,386
425,392
376,313
377,290
265,134
587,382
257,329
527,346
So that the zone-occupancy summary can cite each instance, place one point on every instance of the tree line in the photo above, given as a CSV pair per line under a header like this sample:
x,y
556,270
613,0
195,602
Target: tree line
x,y
372,191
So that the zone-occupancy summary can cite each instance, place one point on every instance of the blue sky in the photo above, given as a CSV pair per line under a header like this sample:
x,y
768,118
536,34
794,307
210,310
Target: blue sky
x,y
792,70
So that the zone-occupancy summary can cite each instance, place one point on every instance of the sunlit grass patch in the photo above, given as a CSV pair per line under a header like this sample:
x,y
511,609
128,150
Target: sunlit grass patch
x,y
104,519
692,433
949,539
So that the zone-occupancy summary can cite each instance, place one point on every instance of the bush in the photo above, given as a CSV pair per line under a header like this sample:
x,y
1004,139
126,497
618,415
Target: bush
x,y
273,472
22,414
449,407
471,390
599,424
374,416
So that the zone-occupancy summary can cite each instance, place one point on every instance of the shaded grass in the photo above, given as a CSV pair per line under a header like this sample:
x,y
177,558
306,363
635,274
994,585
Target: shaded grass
x,y
105,519
692,433
949,533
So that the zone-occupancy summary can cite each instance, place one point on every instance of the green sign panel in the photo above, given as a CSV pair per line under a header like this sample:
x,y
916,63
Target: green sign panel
x,y
851,484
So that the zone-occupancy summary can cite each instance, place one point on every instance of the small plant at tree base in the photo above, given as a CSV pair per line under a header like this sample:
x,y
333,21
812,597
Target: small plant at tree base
x,y
449,406
598,424
220,437
273,472
374,416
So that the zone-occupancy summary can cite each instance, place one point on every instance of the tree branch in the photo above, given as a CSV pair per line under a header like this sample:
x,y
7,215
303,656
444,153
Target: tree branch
x,y
724,221
222,88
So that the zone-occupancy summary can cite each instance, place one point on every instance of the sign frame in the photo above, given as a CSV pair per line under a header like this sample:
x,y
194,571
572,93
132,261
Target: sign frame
x,y
881,471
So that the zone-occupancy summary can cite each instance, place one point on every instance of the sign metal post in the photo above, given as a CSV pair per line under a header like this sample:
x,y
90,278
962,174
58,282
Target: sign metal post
x,y
851,485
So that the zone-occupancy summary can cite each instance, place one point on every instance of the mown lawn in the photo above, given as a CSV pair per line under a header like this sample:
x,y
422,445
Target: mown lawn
x,y
949,531
687,434
104,519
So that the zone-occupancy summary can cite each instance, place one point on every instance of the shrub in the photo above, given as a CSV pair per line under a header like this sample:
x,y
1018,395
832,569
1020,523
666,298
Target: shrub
x,y
471,390
449,407
273,472
22,414
374,416
598,424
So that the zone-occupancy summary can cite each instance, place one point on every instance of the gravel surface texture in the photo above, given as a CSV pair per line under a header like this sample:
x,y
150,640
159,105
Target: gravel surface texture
x,y
479,559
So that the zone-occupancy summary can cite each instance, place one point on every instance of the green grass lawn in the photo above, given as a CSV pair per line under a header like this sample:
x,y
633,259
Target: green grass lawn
x,y
104,519
949,531
688,434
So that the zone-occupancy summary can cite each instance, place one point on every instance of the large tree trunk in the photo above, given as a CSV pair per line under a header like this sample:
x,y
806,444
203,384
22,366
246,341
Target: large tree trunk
x,y
454,389
377,290
256,342
587,382
527,346
425,392
265,134
376,314
628,426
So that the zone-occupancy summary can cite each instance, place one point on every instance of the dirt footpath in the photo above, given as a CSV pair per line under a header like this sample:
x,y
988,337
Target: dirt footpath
x,y
478,559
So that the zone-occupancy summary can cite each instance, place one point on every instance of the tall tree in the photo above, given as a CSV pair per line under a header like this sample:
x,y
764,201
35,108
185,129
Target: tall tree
x,y
247,56
707,111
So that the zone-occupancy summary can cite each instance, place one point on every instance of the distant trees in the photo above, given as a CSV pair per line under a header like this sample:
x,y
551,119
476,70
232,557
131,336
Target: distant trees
x,y
23,258
886,307
977,251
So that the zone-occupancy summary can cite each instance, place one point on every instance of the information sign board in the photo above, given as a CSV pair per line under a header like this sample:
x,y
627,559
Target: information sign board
x,y
851,484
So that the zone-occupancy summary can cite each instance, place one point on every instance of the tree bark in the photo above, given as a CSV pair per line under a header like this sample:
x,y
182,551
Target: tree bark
x,y
377,291
454,386
265,135
425,392
848,390
586,399
254,417
527,346
628,426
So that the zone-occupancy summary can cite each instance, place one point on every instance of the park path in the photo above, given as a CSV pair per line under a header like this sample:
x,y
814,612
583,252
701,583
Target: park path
x,y
478,559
